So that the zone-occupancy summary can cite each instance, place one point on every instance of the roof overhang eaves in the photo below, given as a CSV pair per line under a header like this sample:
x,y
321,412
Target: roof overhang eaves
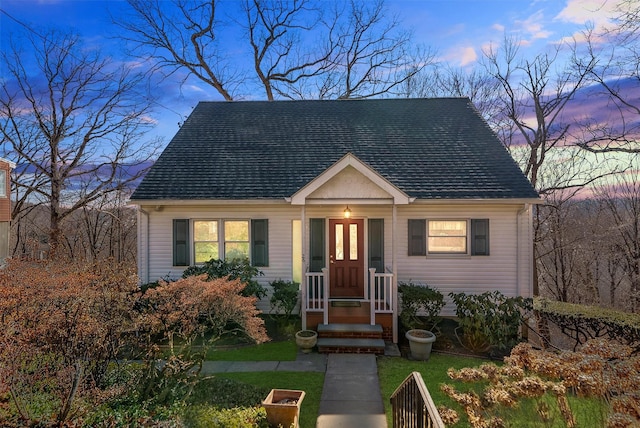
x,y
479,201
176,202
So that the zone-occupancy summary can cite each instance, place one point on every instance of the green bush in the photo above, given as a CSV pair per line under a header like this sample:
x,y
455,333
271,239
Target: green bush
x,y
234,269
421,306
210,417
284,297
489,320
582,322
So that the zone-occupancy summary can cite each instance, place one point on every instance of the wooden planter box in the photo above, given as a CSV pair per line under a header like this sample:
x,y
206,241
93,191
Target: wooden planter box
x,y
283,407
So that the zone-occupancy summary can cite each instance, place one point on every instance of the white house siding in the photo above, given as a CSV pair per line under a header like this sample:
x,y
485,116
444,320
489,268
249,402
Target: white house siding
x,y
471,274
498,271
160,251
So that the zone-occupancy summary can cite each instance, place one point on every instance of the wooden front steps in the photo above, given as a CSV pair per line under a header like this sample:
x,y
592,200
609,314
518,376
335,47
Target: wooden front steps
x,y
342,338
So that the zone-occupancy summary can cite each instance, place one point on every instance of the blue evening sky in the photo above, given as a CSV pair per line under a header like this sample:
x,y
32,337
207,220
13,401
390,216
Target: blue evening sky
x,y
457,29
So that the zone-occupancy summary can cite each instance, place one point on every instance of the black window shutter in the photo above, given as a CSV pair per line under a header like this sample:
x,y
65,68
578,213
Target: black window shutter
x,y
181,242
480,237
376,244
316,244
260,242
417,238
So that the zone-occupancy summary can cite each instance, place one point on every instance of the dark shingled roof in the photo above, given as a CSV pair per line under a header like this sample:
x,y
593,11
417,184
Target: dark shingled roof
x,y
429,148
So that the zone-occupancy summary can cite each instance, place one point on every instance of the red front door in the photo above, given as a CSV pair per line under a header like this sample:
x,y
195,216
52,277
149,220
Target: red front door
x,y
346,258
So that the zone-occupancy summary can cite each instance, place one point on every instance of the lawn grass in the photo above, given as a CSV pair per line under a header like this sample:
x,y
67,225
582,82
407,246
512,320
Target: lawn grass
x,y
392,371
309,382
270,351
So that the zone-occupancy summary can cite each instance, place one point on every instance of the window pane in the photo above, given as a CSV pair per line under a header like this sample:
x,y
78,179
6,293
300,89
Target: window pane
x,y
236,230
449,244
205,230
448,228
353,242
3,183
339,242
205,251
236,250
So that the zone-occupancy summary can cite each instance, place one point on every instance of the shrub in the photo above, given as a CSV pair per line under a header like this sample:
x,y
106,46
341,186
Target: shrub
x,y
489,320
582,322
285,297
209,417
237,268
421,306
60,326
181,312
602,371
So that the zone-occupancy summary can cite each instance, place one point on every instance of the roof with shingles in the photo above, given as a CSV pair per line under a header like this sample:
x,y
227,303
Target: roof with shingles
x,y
437,148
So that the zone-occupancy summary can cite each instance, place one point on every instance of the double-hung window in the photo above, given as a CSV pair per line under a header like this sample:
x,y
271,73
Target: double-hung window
x,y
220,239
448,236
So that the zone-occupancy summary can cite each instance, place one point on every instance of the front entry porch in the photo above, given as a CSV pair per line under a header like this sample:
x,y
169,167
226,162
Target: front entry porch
x,y
370,316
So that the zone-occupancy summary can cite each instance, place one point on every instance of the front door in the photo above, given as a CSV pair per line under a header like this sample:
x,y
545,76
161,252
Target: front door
x,y
346,258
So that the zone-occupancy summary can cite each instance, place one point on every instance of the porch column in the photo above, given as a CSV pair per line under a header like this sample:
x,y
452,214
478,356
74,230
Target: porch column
x,y
305,268
394,268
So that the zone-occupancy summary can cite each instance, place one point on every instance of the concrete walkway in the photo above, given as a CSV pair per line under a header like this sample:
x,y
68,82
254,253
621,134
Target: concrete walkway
x,y
311,362
350,394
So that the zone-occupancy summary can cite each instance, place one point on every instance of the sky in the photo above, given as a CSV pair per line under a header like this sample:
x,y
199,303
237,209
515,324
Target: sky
x,y
458,30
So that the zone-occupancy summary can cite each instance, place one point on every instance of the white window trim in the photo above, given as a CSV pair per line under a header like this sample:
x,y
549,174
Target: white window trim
x,y
467,251
221,237
3,179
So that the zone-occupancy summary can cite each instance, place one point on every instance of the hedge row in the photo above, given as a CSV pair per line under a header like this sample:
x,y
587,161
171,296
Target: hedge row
x,y
581,322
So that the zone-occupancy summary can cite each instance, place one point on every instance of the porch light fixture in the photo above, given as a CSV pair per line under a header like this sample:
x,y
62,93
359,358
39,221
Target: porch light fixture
x,y
347,212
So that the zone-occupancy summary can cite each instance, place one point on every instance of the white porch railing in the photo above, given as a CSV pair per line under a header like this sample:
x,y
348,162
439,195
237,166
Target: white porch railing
x,y
315,294
380,293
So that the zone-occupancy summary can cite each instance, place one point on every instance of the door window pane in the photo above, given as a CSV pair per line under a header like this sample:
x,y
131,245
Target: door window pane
x,y
353,242
339,242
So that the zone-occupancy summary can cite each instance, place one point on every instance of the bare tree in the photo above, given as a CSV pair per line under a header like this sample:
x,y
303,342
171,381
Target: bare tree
x,y
293,49
105,229
533,97
616,82
622,200
374,56
74,121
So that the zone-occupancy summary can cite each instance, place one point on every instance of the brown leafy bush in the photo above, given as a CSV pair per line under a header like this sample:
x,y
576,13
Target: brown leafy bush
x,y
601,369
61,324
183,312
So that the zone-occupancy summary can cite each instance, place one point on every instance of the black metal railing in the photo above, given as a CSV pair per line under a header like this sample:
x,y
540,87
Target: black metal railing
x,y
412,405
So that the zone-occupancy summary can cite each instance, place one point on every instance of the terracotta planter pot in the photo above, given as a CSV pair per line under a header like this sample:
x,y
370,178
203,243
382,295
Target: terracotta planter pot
x,y
306,340
283,407
420,342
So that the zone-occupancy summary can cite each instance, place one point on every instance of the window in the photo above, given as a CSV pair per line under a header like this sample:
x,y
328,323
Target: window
x,y
236,239
205,240
448,237
3,183
220,239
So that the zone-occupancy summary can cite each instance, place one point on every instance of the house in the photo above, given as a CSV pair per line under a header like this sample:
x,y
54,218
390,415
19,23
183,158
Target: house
x,y
6,167
347,197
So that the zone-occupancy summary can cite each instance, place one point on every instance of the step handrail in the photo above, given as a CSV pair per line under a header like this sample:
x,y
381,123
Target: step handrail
x,y
412,405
